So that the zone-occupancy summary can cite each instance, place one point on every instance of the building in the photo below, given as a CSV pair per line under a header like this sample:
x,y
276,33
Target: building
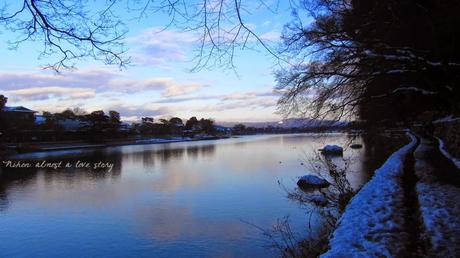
x,y
18,116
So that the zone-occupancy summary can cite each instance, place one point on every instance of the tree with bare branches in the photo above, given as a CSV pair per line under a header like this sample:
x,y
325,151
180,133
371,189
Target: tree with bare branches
x,y
375,60
70,30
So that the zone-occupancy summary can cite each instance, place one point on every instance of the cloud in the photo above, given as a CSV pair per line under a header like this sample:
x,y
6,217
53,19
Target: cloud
x,y
158,47
271,36
44,93
136,111
86,83
168,86
188,98
91,78
94,89
266,23
256,103
222,97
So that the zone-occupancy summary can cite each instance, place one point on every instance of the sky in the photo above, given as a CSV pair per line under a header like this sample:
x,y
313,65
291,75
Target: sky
x,y
158,82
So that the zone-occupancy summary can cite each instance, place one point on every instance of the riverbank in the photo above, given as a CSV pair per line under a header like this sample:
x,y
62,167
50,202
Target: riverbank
x,y
12,148
74,145
409,208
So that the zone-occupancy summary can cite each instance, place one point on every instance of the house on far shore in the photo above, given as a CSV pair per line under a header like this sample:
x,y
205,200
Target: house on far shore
x,y
19,115
223,129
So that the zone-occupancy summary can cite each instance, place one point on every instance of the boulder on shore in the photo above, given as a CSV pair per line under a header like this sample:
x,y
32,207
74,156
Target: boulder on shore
x,y
312,181
332,150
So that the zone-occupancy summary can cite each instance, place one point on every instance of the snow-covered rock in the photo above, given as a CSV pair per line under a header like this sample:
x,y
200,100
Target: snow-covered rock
x,y
373,223
312,181
332,150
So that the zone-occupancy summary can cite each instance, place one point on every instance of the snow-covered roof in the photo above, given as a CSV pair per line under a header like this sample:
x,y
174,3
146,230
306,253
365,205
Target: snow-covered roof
x,y
221,128
40,119
19,109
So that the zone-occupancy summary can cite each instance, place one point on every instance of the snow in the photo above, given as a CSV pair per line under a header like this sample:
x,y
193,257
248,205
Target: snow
x,y
447,119
395,71
422,91
319,200
440,207
447,154
40,120
434,63
332,149
160,140
312,181
19,109
373,223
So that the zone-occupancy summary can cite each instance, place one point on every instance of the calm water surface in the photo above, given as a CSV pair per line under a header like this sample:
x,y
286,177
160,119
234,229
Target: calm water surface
x,y
191,199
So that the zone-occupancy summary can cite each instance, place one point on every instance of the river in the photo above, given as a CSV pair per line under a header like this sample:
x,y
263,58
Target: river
x,y
183,199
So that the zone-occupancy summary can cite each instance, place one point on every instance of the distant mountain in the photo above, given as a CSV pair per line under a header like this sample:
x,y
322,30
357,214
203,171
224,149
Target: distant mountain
x,y
289,123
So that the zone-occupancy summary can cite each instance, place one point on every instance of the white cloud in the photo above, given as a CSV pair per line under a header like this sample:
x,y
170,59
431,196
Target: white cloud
x,y
90,78
159,47
168,86
88,83
43,93
271,36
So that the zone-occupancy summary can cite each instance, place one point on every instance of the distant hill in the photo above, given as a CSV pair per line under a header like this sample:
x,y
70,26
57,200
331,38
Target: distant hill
x,y
289,123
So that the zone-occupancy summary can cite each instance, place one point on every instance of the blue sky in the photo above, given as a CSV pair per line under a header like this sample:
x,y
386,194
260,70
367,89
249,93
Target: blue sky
x,y
159,82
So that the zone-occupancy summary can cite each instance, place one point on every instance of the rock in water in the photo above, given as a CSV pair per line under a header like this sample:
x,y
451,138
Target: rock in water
x,y
356,146
332,150
311,181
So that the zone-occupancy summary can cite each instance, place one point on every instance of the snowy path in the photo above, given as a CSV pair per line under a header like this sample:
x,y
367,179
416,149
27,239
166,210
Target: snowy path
x,y
374,224
410,208
438,190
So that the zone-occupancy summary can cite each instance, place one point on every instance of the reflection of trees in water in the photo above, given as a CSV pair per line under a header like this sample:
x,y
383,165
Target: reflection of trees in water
x,y
193,152
15,177
22,177
167,154
149,157
200,150
240,144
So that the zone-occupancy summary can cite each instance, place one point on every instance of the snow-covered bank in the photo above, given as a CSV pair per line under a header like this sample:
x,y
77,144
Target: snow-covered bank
x,y
373,223
439,198
442,148
162,140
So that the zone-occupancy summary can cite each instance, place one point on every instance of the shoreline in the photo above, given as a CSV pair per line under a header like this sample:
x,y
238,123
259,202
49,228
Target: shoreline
x,y
31,147
58,146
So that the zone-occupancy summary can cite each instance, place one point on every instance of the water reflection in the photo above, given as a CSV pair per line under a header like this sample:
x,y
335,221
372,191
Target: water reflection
x,y
162,200
13,178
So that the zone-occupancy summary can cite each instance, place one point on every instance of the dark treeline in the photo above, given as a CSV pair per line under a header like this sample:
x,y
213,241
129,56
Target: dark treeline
x,y
241,129
96,126
379,61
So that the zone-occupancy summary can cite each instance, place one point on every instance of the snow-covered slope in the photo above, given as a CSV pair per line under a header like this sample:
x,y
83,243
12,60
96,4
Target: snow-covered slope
x,y
443,150
373,223
438,192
